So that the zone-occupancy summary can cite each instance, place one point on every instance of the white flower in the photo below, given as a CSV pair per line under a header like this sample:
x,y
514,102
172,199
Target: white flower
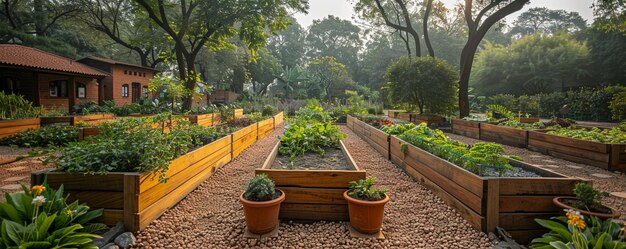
x,y
39,200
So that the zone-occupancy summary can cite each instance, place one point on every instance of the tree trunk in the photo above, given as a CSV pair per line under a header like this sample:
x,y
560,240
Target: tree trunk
x,y
467,61
429,6
190,82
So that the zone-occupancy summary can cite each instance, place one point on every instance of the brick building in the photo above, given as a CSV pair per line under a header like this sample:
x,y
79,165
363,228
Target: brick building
x,y
46,79
126,84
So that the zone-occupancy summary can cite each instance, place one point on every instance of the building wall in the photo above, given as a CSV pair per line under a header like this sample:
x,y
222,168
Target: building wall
x,y
119,78
26,79
91,91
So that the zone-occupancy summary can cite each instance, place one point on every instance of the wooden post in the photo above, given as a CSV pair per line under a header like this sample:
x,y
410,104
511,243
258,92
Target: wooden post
x,y
131,205
492,214
71,93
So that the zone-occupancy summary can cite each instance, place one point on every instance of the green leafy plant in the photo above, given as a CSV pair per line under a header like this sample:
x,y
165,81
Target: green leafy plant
x,y
613,135
363,189
41,218
17,107
575,231
269,110
397,129
240,122
525,126
260,188
310,131
588,195
58,135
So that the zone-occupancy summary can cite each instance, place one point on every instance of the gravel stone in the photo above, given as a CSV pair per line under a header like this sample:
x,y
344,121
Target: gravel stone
x,y
212,217
126,240
110,246
110,235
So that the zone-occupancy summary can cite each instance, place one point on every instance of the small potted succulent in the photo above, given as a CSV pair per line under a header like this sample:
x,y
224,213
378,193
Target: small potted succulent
x,y
366,205
261,204
586,202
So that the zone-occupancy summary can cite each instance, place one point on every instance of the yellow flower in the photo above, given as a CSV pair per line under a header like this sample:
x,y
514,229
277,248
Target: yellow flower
x,y
69,212
37,189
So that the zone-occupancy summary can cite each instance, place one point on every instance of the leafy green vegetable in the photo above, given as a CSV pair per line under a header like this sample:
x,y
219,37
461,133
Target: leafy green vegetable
x,y
397,129
365,190
614,135
58,135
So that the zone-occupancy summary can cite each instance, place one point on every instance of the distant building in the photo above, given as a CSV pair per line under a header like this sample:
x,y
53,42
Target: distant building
x,y
126,84
46,79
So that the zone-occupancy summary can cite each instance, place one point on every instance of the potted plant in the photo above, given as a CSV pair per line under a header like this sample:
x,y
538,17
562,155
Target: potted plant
x,y
261,204
586,202
366,205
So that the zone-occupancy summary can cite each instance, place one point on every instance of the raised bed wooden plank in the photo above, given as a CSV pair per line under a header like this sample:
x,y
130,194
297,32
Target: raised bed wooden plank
x,y
537,186
504,135
314,195
567,150
524,237
97,199
527,203
238,113
569,142
110,217
12,127
265,127
278,119
112,181
618,158
466,128
523,221
313,178
298,211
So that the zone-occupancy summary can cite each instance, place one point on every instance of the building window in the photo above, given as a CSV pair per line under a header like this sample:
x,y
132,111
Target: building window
x,y
135,73
144,75
9,85
125,72
81,90
125,90
144,91
58,89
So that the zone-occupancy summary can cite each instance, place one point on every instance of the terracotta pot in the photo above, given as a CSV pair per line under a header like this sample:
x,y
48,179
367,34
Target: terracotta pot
x,y
613,215
366,216
262,216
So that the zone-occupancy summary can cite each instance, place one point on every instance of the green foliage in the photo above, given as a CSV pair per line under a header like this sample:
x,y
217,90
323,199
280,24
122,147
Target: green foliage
x,y
538,63
269,110
336,38
547,21
598,234
132,145
260,188
589,196
310,131
16,107
499,112
525,126
397,129
364,189
379,121
49,136
41,218
427,84
475,159
618,106
240,122
613,135
328,79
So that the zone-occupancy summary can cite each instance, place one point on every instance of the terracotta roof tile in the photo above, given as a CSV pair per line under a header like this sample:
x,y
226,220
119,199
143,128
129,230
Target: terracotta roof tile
x,y
114,62
17,55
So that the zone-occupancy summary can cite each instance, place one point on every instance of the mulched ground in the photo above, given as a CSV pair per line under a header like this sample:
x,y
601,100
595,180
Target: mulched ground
x,y
601,178
212,217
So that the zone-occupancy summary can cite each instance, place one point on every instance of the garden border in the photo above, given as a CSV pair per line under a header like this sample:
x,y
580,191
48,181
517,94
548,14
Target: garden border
x,y
12,127
74,120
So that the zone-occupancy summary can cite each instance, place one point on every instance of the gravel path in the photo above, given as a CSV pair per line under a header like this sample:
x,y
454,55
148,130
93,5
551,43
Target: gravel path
x,y
211,216
601,178
16,172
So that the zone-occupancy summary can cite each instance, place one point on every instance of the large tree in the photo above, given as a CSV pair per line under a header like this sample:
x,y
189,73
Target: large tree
x,y
193,25
332,76
537,63
480,16
334,37
610,15
547,21
288,45
263,71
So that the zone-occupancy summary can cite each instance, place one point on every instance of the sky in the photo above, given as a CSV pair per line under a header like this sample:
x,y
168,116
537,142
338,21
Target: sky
x,y
343,9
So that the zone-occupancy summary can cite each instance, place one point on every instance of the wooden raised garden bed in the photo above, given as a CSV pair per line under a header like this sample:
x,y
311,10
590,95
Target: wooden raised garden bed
x,y
74,120
205,120
504,135
466,128
137,199
238,113
313,194
428,119
485,202
611,157
265,127
12,127
379,140
278,119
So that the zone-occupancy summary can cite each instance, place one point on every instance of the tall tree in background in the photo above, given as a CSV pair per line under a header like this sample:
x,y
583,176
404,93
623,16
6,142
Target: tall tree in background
x,y
398,15
194,25
288,45
334,37
479,18
332,76
263,71
610,15
547,21
128,27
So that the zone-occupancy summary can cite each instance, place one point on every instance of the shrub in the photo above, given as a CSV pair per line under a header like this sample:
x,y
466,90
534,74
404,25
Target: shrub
x,y
364,189
589,196
16,107
426,84
41,218
613,135
269,110
50,136
260,188
240,122
618,106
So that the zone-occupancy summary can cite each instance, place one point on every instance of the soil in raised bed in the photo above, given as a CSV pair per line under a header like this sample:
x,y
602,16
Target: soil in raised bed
x,y
580,205
333,159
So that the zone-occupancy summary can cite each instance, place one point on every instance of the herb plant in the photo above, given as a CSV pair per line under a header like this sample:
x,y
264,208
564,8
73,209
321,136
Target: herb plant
x,y
310,131
364,189
261,188
58,135
16,107
587,195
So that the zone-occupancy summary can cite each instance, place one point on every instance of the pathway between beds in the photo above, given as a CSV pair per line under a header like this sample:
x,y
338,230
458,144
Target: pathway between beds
x,y
211,216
